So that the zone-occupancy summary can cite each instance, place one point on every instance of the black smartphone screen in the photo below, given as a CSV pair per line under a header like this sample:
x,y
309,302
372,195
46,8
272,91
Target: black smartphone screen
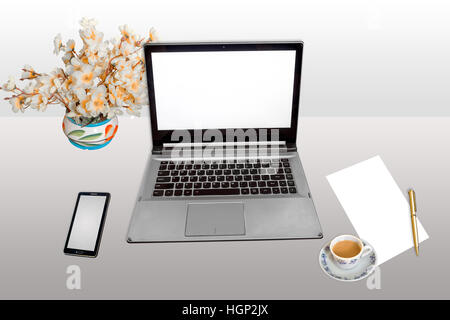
x,y
87,224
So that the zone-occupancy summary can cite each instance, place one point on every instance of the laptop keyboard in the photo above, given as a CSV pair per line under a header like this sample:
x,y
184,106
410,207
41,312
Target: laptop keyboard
x,y
227,177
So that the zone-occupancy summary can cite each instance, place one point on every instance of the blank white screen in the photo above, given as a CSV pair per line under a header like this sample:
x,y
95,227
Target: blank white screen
x,y
87,222
232,89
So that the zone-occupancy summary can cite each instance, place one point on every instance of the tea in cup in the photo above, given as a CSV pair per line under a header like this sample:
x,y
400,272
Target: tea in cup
x,y
348,250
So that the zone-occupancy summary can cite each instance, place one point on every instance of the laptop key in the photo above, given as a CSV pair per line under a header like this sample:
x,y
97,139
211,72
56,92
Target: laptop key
x,y
265,177
163,179
276,190
229,178
179,186
234,184
168,193
261,184
197,185
158,193
216,192
245,191
254,191
202,178
282,183
265,191
187,192
247,178
284,190
174,173
164,186
252,184
225,185
216,185
291,183
221,178
272,183
163,173
243,184
193,179
292,190
277,177
211,178
289,176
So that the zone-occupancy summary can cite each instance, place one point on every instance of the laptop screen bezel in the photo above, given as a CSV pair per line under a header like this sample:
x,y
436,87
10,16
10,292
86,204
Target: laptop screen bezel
x,y
161,137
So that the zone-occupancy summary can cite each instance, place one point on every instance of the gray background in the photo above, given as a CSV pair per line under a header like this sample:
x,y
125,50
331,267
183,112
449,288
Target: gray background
x,y
361,57
388,59
41,174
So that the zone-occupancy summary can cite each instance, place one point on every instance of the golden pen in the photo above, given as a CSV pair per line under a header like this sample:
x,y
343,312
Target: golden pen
x,y
412,205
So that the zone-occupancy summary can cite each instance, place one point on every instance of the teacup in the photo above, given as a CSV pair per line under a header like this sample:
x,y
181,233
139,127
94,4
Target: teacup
x,y
348,250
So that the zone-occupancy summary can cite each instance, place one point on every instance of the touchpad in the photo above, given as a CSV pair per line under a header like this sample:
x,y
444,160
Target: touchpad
x,y
215,219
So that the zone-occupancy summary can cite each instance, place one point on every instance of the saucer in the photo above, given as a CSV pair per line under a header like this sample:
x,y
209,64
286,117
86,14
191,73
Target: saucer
x,y
363,269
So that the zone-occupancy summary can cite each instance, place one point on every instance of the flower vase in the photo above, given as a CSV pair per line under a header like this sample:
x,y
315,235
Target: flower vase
x,y
92,136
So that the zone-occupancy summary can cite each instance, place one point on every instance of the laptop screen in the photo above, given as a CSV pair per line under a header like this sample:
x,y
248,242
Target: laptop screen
x,y
223,89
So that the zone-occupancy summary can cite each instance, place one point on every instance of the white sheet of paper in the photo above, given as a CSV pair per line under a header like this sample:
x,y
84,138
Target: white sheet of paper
x,y
376,207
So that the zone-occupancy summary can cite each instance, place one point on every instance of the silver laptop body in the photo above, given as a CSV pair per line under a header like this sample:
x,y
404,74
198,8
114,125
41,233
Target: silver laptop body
x,y
224,163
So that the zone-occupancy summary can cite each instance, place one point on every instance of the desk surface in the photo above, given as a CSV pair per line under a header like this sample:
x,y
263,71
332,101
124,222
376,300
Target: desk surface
x,y
41,174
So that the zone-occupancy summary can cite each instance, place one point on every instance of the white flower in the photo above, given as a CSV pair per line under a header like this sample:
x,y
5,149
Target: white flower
x,y
17,103
28,72
85,77
75,65
127,34
97,103
153,35
10,84
91,37
57,42
88,23
39,102
117,95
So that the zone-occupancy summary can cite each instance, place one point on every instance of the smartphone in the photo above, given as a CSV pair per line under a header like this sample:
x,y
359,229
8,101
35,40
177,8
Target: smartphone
x,y
86,228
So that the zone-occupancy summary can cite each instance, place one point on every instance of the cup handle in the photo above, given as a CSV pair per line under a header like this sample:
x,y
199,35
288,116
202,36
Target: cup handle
x,y
366,251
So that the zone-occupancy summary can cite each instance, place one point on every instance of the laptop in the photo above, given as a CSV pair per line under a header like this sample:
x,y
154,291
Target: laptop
x,y
224,163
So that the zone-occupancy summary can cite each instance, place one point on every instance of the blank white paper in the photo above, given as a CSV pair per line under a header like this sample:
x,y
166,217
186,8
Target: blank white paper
x,y
376,207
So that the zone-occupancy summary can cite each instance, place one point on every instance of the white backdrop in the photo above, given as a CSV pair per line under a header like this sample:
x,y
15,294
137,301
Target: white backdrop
x,y
362,57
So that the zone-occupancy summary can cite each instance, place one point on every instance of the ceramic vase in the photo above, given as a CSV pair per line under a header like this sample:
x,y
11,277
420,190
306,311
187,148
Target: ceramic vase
x,y
91,136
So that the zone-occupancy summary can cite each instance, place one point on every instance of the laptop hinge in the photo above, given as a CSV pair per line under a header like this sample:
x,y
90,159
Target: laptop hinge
x,y
291,147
